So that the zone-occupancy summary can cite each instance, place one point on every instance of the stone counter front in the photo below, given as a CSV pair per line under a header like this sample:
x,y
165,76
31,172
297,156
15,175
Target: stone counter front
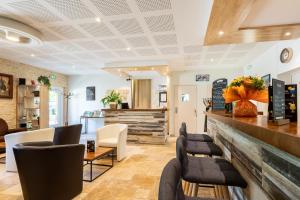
x,y
271,173
144,125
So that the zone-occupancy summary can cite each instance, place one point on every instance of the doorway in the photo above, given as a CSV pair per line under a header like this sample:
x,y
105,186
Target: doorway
x,y
186,107
55,107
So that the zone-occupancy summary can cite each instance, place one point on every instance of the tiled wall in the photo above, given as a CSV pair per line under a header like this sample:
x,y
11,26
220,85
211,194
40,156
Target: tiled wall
x,y
19,70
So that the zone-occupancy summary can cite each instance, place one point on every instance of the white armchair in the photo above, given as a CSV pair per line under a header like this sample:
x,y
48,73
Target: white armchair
x,y
113,135
12,139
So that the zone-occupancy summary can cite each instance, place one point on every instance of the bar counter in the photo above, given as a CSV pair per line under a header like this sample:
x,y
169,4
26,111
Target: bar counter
x,y
267,156
144,125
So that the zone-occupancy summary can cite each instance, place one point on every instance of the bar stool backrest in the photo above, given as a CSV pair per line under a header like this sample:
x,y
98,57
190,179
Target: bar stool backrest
x,y
170,186
182,132
181,153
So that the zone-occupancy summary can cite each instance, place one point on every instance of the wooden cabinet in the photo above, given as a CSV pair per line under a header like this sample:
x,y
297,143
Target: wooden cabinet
x,y
32,106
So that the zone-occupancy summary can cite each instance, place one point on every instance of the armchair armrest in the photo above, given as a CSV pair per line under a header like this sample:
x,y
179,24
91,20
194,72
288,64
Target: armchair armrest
x,y
37,144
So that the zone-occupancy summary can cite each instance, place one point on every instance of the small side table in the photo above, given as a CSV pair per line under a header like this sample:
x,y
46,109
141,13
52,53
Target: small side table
x,y
2,159
99,153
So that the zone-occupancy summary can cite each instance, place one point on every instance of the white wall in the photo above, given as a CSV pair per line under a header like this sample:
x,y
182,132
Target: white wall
x,y
269,61
204,90
78,103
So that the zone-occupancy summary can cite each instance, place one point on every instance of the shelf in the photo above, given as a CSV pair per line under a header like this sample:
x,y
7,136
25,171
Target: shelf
x,y
32,108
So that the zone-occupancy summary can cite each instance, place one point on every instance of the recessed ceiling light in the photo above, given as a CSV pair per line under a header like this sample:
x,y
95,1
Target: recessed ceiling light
x,y
287,33
152,68
98,19
32,55
128,49
135,69
211,60
221,33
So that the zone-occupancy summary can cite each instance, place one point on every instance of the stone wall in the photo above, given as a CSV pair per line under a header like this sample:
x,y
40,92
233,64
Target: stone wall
x,y
19,70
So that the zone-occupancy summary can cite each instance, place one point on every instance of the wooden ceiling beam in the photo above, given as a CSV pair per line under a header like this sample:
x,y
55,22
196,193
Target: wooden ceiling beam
x,y
228,16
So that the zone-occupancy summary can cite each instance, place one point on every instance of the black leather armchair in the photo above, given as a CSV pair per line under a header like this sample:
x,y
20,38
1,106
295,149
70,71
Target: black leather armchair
x,y
67,134
49,172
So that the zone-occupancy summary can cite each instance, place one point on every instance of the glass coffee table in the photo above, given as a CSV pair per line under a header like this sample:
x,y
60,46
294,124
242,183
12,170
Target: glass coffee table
x,y
99,154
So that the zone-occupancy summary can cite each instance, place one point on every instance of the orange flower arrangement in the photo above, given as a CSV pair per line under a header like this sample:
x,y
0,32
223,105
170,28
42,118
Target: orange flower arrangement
x,y
243,89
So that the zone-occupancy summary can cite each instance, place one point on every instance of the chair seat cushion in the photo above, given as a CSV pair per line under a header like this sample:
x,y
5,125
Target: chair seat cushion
x,y
199,137
212,171
204,148
108,142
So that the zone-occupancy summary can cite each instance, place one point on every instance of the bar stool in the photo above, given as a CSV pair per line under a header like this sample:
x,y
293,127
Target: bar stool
x,y
194,136
170,186
204,170
203,148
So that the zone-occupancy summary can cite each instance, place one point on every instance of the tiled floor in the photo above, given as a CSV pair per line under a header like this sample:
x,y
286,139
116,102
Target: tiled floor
x,y
135,178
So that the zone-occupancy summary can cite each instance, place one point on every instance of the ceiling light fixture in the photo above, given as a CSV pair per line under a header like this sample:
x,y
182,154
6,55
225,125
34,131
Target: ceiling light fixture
x,y
152,68
221,33
32,55
17,32
211,60
287,33
98,19
128,49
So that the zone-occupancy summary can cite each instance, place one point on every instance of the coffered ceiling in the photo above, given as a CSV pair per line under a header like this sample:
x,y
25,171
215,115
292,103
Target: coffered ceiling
x,y
83,36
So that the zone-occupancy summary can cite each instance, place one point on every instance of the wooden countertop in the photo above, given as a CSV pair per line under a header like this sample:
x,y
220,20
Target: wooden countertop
x,y
285,137
148,109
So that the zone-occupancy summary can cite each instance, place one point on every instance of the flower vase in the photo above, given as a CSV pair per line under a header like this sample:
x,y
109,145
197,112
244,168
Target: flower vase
x,y
245,108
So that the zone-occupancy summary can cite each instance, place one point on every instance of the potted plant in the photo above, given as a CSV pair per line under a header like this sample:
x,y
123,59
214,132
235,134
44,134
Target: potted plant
x,y
243,89
113,99
44,80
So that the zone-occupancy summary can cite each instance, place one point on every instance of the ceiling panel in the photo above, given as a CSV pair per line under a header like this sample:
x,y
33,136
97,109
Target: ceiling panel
x,y
169,50
114,44
125,53
146,52
96,29
168,39
153,5
34,10
68,32
74,9
160,23
140,41
112,7
90,45
127,26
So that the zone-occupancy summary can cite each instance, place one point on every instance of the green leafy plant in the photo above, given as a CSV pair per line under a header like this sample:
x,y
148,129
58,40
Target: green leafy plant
x,y
112,97
44,80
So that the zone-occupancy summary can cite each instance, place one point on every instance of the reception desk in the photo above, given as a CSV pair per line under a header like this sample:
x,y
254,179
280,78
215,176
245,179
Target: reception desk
x,y
267,156
144,125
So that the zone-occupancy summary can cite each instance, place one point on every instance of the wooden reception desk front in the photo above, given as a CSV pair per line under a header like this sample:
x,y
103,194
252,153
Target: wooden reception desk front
x,y
144,125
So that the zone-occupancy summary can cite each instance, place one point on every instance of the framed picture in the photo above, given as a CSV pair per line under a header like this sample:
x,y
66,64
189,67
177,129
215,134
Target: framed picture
x,y
202,77
6,86
90,93
162,97
267,79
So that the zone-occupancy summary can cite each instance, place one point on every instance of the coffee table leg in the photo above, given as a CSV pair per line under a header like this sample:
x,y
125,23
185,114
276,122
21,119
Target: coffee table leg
x,y
91,171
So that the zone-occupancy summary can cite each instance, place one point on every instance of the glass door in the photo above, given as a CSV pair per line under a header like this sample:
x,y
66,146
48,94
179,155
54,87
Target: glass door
x,y
55,107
